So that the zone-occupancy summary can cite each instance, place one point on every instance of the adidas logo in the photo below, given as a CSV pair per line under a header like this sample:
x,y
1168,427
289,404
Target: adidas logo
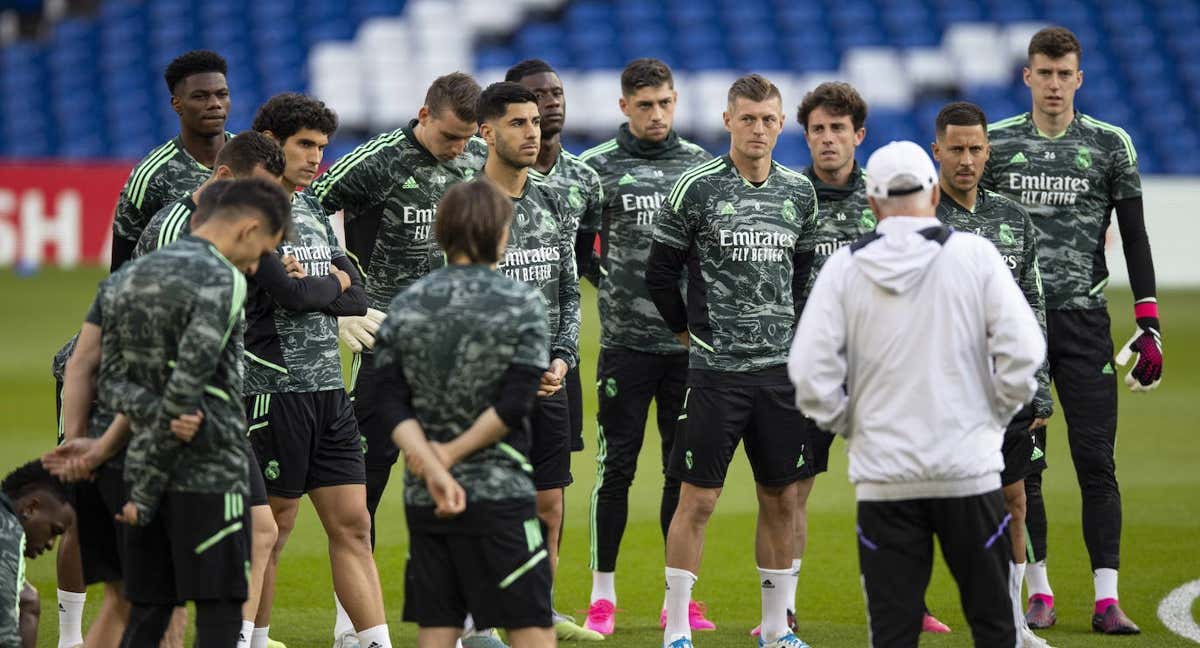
x,y
411,183
375,644
1019,158
1107,370
1037,454
627,180
767,584
727,210
61,608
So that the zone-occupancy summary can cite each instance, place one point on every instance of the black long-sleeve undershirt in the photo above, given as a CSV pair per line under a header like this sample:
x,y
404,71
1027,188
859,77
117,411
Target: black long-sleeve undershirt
x,y
664,269
303,295
1131,221
354,300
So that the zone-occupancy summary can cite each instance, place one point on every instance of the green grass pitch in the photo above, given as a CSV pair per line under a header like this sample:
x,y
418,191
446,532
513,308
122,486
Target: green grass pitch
x,y
1158,456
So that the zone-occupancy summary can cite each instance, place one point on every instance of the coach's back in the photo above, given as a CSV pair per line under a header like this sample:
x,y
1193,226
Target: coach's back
x,y
917,345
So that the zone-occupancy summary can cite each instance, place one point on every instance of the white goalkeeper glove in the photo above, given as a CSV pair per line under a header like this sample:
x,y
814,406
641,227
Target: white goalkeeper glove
x,y
358,331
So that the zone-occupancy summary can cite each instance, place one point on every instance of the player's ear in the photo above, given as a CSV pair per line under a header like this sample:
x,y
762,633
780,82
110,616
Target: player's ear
x,y
423,114
860,136
728,119
936,195
1026,74
936,150
624,105
486,132
176,104
223,172
272,136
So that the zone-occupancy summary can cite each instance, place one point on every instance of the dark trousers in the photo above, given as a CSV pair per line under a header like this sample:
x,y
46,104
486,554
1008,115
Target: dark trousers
x,y
1080,353
626,383
895,554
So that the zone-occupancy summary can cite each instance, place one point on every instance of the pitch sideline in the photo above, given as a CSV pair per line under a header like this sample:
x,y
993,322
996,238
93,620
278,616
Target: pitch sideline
x,y
1175,611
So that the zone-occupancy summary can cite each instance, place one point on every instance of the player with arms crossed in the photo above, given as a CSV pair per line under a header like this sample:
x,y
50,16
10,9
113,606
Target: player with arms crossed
x,y
301,420
640,359
961,150
460,360
540,253
172,347
1071,171
200,96
743,226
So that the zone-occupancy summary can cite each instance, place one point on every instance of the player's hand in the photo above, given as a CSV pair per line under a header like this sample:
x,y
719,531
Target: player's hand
x,y
72,461
128,514
342,277
185,426
443,454
1037,423
448,495
358,331
294,268
1147,369
415,465
550,382
685,338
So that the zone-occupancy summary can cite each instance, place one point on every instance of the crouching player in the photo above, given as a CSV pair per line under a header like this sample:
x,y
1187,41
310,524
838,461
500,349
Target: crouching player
x,y
459,359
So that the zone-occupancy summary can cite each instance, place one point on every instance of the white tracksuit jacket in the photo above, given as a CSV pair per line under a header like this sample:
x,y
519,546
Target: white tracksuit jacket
x,y
919,354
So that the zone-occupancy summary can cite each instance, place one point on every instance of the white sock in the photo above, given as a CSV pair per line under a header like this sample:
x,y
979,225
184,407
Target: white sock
x,y
792,584
246,633
70,618
679,594
376,637
1038,579
342,625
774,586
604,586
258,637
1016,574
1106,583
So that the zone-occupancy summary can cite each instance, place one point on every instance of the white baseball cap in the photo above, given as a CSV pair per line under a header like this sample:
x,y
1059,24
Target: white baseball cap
x,y
899,169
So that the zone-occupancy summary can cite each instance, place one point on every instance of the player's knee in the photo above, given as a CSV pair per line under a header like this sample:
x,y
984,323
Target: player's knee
x,y
696,505
353,528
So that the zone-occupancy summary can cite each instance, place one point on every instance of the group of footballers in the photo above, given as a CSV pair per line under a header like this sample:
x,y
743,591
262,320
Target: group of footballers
x,y
204,396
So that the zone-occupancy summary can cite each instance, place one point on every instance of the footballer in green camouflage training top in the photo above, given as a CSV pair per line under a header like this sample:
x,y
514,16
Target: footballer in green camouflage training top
x,y
744,227
1072,172
200,96
640,360
388,190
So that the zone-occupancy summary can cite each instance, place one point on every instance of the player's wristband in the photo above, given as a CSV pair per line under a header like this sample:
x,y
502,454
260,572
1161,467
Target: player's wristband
x,y
1146,308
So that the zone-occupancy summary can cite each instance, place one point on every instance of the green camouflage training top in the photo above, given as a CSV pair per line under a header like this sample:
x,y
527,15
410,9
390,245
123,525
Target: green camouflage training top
x,y
843,216
1069,184
578,187
166,226
289,351
12,574
1008,226
454,333
171,345
745,239
541,253
636,177
163,176
388,190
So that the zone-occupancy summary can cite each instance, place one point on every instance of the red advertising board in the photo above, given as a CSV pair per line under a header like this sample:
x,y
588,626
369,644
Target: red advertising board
x,y
58,213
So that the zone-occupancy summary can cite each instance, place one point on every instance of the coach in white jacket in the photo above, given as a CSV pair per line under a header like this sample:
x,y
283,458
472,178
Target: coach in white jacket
x,y
918,347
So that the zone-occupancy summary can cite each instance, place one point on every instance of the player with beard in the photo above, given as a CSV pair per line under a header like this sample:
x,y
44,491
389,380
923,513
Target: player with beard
x,y
541,253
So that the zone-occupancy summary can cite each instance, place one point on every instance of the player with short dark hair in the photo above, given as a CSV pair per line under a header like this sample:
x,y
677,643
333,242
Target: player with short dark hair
x,y
961,150
540,253
388,190
578,186
172,347
301,420
640,360
34,510
1072,172
476,544
248,155
200,96
742,225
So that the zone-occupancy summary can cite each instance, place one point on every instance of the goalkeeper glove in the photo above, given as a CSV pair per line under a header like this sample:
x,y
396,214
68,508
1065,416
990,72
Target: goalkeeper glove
x,y
358,331
1147,344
